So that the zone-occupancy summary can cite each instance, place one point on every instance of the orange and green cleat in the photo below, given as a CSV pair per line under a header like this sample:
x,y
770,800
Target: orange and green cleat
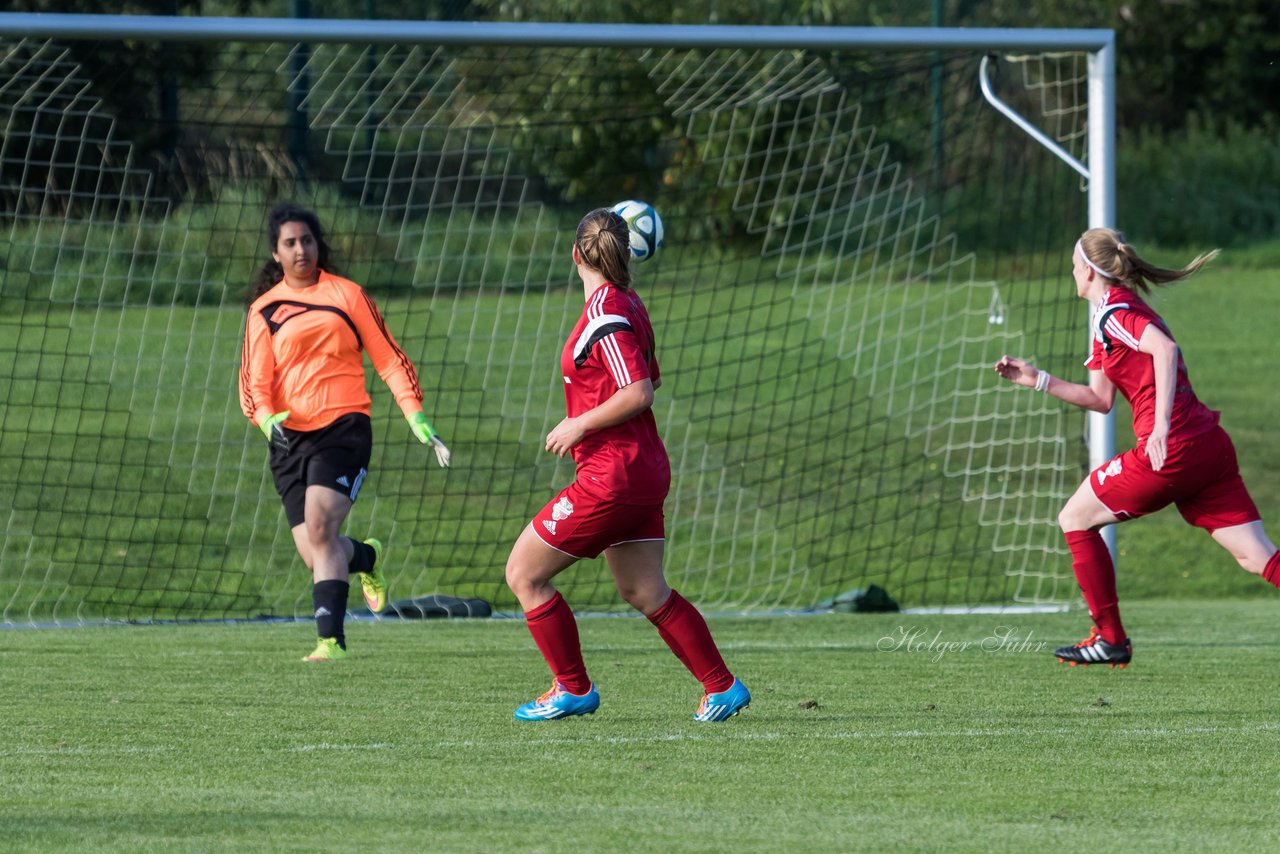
x,y
328,649
373,583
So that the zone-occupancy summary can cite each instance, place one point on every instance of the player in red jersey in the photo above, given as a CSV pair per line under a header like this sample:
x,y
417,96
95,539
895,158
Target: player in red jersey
x,y
614,505
1183,457
302,382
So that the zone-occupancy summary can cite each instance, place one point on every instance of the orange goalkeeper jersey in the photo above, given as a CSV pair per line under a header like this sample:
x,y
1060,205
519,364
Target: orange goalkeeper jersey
x,y
304,352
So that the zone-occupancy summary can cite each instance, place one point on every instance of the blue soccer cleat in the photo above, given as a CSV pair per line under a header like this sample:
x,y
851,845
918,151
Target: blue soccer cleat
x,y
724,705
559,703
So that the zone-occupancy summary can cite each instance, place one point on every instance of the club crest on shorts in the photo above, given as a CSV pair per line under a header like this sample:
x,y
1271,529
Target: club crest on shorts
x,y
1112,469
562,509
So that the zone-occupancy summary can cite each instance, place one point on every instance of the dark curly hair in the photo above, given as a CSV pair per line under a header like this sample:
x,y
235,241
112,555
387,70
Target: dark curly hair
x,y
271,273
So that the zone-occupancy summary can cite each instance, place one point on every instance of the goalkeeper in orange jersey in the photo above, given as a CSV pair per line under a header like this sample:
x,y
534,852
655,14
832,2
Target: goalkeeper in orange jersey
x,y
302,383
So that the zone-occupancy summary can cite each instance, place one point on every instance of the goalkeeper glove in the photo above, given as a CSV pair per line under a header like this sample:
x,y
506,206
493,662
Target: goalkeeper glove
x,y
272,429
427,435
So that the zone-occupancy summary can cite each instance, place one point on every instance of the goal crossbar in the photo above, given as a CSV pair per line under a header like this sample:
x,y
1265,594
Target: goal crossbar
x,y
161,27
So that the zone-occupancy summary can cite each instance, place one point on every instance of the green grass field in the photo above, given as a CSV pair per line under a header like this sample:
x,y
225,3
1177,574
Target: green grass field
x,y
867,733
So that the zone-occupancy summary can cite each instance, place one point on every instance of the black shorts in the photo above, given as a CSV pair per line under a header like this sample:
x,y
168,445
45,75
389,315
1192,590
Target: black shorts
x,y
336,457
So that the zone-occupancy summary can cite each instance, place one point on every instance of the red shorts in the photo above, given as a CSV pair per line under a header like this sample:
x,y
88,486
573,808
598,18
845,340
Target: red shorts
x,y
1200,476
582,524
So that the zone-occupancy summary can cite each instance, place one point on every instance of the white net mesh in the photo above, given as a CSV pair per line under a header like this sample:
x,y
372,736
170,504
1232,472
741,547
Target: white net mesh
x,y
852,241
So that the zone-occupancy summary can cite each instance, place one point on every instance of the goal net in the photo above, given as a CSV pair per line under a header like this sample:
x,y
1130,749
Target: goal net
x,y
852,239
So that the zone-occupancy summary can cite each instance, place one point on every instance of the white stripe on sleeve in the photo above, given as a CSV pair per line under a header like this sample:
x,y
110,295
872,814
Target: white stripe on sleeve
x,y
1117,331
614,359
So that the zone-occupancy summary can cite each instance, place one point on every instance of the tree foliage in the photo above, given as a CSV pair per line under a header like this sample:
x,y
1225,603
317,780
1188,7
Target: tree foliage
x,y
1191,72
1212,59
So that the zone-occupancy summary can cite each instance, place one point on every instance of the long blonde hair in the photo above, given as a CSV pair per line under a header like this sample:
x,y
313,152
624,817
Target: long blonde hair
x,y
605,245
1106,251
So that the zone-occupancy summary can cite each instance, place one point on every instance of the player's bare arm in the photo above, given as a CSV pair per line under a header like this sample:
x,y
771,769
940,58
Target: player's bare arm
x,y
625,404
1098,396
1164,358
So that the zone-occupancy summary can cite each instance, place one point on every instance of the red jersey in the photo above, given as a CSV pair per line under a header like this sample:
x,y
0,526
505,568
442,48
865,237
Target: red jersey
x,y
611,347
1117,325
304,352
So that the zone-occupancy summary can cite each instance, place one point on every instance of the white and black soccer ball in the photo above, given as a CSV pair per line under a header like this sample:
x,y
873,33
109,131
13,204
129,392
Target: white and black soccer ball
x,y
645,226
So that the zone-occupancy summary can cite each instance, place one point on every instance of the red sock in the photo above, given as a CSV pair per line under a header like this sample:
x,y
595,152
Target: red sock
x,y
1272,572
682,627
555,632
1096,574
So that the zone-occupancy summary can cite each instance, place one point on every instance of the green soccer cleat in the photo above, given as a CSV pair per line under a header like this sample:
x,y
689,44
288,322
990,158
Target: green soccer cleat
x,y
327,650
374,583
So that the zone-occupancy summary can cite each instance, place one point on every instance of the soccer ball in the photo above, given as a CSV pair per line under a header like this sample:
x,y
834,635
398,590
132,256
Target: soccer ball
x,y
645,226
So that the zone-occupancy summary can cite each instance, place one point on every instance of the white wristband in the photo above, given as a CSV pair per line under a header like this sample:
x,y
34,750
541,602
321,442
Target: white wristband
x,y
1042,380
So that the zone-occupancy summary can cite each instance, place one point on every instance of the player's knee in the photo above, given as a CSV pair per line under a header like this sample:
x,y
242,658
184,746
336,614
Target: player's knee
x,y
522,580
1069,520
645,598
1249,546
1251,562
515,578
633,596
321,534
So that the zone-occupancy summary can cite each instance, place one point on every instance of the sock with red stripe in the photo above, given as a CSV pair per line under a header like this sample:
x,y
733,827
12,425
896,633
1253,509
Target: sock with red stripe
x,y
685,631
1096,574
555,631
1272,572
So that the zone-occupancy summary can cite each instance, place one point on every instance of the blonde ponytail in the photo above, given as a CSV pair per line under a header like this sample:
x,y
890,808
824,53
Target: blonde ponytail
x,y
1105,250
